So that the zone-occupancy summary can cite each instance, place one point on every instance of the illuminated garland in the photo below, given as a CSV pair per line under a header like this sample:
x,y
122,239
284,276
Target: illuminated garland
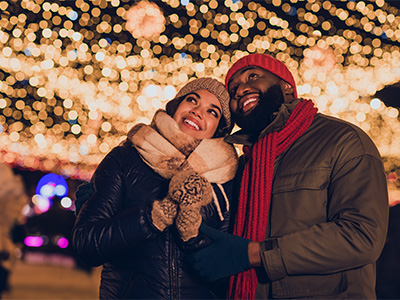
x,y
73,79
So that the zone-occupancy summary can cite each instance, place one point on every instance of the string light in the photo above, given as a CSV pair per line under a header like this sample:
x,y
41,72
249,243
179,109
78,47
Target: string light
x,y
77,75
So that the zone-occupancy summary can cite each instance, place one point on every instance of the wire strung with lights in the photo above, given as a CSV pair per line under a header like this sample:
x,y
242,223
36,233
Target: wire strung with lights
x,y
77,75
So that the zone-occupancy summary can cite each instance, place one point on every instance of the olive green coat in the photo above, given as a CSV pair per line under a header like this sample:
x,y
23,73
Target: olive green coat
x,y
328,215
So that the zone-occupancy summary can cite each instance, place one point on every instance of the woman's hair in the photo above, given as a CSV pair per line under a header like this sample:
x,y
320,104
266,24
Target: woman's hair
x,y
171,107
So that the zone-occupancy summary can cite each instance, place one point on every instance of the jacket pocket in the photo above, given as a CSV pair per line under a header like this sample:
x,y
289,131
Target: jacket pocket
x,y
318,286
306,179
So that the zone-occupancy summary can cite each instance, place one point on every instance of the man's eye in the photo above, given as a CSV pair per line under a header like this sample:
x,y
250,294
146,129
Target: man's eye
x,y
232,91
253,76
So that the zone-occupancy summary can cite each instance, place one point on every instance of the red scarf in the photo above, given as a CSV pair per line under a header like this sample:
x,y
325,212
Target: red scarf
x,y
256,187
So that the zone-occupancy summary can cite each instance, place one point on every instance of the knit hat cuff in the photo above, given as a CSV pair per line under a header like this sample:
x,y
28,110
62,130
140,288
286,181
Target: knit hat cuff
x,y
265,62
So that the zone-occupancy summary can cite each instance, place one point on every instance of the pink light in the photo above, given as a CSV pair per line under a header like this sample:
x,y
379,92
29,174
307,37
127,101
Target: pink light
x,y
62,242
145,19
33,241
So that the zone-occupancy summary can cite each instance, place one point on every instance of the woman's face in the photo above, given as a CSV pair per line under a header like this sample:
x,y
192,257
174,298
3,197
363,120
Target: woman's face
x,y
198,114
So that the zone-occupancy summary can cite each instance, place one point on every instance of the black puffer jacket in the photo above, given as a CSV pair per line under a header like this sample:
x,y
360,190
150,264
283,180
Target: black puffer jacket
x,y
114,229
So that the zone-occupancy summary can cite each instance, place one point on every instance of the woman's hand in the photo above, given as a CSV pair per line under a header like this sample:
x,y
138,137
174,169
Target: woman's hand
x,y
163,213
191,192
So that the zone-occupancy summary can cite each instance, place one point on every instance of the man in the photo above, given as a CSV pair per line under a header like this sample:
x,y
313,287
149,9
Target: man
x,y
312,209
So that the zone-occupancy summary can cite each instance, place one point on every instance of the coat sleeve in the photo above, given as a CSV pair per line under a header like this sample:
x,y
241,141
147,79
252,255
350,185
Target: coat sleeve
x,y
352,236
103,230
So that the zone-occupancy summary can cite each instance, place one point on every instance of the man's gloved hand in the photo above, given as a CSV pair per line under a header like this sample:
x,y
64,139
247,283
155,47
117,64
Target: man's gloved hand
x,y
191,191
225,256
83,193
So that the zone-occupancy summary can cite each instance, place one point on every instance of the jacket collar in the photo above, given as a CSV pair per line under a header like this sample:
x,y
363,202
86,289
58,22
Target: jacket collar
x,y
248,139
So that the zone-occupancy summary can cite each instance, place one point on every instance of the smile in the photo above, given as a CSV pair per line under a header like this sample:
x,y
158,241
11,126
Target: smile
x,y
249,103
191,123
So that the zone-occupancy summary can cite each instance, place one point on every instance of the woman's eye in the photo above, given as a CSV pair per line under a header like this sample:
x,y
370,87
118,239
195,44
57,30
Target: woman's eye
x,y
214,113
191,99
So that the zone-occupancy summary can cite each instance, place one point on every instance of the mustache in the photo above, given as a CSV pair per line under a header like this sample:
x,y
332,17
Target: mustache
x,y
263,113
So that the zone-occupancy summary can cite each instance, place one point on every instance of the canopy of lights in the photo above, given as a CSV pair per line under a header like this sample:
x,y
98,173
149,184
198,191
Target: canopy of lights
x,y
75,76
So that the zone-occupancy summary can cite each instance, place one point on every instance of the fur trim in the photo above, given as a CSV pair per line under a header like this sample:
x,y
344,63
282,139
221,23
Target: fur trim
x,y
167,150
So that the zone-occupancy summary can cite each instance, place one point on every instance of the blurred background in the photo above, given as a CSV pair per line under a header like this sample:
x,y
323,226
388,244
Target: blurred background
x,y
76,75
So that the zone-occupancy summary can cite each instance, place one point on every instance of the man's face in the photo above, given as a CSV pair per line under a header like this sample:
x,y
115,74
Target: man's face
x,y
255,95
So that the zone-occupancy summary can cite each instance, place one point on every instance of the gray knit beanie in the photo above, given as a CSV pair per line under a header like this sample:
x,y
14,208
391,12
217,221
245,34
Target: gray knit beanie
x,y
213,86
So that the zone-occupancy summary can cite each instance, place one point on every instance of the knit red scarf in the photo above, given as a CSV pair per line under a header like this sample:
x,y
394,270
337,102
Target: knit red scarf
x,y
256,186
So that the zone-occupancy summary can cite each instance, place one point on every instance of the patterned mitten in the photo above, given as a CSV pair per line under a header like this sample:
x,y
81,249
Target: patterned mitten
x,y
191,191
163,213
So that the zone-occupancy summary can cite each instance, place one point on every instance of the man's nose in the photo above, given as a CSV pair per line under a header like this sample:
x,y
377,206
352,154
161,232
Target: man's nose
x,y
242,89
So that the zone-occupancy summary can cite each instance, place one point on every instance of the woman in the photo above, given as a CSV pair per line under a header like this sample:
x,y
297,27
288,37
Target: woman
x,y
151,194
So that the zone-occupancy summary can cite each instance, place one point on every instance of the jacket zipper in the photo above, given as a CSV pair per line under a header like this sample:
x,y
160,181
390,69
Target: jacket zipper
x,y
174,270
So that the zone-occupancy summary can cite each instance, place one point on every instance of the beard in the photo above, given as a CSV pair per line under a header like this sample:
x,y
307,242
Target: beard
x,y
262,114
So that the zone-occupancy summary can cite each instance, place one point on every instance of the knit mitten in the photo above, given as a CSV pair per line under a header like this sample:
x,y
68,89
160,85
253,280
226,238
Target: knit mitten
x,y
163,213
191,191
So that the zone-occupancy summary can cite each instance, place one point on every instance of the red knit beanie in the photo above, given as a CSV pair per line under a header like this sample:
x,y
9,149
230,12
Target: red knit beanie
x,y
266,62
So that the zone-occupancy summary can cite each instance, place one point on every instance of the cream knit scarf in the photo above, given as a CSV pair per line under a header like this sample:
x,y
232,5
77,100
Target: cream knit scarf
x,y
167,150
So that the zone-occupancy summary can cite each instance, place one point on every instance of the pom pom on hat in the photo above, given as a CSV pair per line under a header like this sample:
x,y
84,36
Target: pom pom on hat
x,y
267,62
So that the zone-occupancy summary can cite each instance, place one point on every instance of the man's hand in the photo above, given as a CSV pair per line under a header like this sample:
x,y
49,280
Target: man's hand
x,y
254,254
227,255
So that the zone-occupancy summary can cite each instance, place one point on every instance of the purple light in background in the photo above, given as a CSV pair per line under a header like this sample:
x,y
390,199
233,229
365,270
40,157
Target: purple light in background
x,y
50,185
62,242
33,241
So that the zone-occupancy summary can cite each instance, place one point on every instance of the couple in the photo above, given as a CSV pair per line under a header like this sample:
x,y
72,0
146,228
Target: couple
x,y
308,198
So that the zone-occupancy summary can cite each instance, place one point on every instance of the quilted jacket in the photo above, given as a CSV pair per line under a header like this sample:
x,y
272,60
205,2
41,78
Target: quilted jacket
x,y
114,229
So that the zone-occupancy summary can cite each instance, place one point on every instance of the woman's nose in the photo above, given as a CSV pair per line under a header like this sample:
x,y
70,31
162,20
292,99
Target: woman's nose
x,y
196,111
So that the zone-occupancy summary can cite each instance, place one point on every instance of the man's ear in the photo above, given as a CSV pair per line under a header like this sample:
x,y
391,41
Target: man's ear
x,y
287,88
